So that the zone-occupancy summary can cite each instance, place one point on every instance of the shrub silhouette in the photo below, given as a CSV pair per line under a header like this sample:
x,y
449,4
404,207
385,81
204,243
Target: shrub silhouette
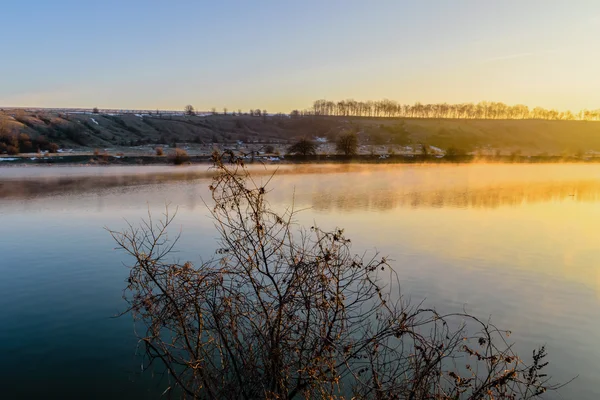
x,y
347,144
303,147
286,312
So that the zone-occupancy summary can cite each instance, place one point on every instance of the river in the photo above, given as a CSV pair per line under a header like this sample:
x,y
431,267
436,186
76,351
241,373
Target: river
x,y
517,243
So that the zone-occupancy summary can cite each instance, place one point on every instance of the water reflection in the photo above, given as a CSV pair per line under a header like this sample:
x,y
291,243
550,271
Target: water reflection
x,y
515,242
466,197
363,187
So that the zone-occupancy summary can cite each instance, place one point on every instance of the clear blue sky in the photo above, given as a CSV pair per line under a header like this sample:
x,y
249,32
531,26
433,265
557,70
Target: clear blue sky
x,y
281,55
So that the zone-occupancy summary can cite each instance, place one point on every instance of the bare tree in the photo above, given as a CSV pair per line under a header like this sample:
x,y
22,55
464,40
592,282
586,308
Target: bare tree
x,y
347,144
189,110
303,147
483,110
285,312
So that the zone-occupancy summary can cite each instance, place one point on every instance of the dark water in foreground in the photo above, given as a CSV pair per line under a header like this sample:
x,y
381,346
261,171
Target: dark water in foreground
x,y
519,243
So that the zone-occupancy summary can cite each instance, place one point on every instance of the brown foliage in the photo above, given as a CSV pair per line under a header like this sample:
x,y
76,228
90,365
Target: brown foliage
x,y
159,151
52,147
286,312
12,150
179,157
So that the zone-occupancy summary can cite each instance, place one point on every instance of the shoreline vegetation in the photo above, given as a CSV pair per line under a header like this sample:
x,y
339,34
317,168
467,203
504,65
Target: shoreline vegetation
x,y
91,159
374,132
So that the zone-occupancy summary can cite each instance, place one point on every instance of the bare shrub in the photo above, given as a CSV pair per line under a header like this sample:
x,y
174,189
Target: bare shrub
x,y
12,150
52,147
286,312
179,157
159,151
303,147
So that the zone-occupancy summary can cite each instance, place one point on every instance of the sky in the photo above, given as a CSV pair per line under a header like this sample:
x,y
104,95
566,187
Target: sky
x,y
281,55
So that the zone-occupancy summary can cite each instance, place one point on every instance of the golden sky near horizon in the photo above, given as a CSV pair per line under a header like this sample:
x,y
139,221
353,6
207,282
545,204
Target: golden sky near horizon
x,y
281,57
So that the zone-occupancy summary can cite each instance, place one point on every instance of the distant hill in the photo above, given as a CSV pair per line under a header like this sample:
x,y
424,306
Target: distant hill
x,y
88,130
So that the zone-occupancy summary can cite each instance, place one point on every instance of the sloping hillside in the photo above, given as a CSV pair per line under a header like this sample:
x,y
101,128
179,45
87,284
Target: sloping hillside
x,y
78,130
529,136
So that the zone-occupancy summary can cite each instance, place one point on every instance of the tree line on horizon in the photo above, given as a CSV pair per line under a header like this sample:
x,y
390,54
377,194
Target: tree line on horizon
x,y
482,110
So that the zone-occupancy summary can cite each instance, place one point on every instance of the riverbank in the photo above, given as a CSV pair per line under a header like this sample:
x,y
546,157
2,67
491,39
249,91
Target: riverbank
x,y
105,159
131,132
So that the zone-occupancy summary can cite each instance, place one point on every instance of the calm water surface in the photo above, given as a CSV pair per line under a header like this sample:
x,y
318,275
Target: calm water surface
x,y
519,243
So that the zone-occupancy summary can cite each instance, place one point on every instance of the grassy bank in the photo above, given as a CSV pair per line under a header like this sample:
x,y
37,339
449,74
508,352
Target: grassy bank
x,y
85,132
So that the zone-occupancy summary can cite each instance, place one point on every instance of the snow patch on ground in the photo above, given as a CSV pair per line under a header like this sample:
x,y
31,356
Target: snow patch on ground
x,y
8,158
94,121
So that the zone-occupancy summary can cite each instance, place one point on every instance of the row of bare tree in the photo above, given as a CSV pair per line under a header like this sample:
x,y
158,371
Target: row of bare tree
x,y
482,110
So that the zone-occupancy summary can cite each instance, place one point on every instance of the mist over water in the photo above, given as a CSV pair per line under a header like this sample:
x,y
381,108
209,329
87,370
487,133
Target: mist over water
x,y
517,242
